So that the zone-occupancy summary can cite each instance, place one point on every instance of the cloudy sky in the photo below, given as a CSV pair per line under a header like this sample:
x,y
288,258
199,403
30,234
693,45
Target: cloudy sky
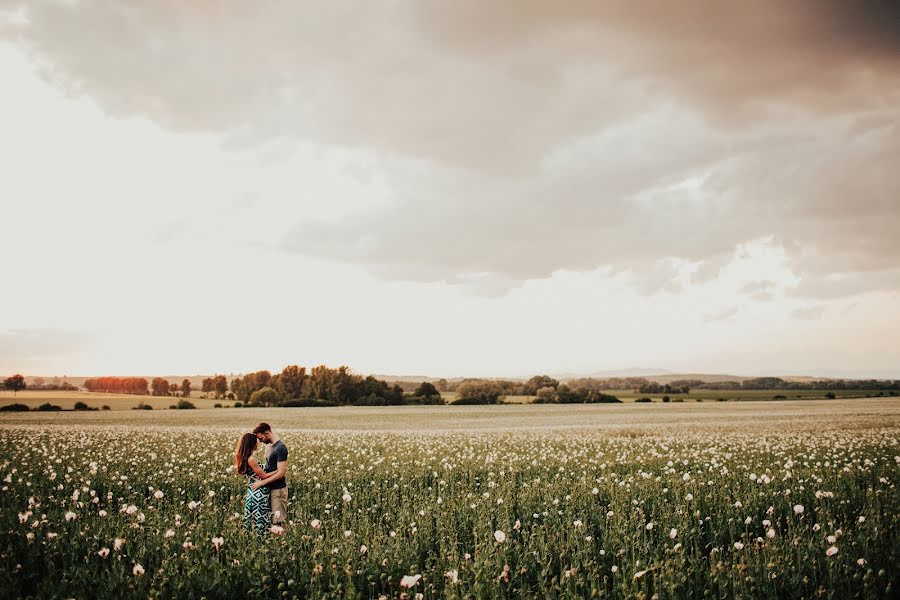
x,y
450,188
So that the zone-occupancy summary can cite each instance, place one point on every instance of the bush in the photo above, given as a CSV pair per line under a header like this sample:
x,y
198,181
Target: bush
x,y
304,402
47,407
142,406
779,397
184,405
14,408
265,397
644,400
104,407
238,404
83,406
478,393
830,395
666,399
678,400
217,405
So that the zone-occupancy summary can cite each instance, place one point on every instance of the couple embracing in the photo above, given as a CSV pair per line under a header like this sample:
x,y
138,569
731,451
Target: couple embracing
x,y
265,505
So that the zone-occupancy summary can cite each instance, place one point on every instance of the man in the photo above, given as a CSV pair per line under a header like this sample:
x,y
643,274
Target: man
x,y
276,462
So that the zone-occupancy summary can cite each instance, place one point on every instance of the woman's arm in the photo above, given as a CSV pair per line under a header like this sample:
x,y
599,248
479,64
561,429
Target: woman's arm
x,y
258,470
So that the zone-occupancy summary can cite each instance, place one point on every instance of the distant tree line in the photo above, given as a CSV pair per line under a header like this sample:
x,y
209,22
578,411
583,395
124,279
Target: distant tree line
x,y
118,385
776,383
323,386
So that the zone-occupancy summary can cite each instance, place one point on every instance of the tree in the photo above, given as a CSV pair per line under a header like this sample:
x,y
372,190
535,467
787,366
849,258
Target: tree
x,y
220,385
478,393
186,388
426,389
290,381
443,385
265,396
38,382
530,387
15,383
546,394
159,387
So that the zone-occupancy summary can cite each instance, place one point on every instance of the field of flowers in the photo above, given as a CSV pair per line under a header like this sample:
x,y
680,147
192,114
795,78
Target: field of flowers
x,y
736,506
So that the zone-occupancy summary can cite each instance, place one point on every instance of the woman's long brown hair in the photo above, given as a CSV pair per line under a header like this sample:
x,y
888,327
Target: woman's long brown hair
x,y
243,451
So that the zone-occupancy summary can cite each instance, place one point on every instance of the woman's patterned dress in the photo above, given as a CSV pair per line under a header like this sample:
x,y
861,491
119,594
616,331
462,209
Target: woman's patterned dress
x,y
257,511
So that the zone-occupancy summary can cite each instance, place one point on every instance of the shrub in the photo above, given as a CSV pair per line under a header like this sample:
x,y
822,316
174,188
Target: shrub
x,y
13,408
104,407
678,400
830,395
47,407
478,393
644,400
217,405
238,404
666,399
265,397
184,405
82,406
305,402
142,406
779,397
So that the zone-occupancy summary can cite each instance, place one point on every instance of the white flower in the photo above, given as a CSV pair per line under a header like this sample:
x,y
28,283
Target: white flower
x,y
346,497
315,524
499,536
409,581
103,552
158,494
649,526
192,505
217,542
686,477
276,529
595,491
798,509
689,497
748,520
137,569
609,514
861,519
210,493
131,509
861,562
363,549
770,533
614,569
673,533
169,533
102,513
453,576
831,551
738,546
677,547
118,543
831,539
577,523
518,525
817,527
70,516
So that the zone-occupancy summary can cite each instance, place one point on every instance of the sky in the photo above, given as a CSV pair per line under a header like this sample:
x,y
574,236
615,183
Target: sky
x,y
450,189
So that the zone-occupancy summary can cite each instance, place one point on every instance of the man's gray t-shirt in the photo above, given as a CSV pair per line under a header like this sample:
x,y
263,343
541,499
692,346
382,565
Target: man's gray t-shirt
x,y
276,453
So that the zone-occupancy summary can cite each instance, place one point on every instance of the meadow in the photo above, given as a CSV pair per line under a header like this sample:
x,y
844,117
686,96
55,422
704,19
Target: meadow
x,y
788,499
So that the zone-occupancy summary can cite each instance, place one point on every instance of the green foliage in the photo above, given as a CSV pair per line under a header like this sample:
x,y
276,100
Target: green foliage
x,y
265,396
426,389
486,392
142,406
82,406
184,405
47,407
14,408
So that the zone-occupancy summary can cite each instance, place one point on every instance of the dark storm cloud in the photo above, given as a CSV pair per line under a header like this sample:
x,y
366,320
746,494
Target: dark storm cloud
x,y
521,138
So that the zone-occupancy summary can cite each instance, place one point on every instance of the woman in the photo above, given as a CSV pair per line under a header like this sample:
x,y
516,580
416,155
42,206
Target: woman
x,y
257,510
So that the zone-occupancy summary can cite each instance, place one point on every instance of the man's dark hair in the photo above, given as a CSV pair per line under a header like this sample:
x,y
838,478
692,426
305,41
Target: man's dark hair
x,y
262,428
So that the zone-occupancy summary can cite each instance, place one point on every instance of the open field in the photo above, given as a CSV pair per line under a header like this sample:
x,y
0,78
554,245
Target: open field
x,y
67,400
789,499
